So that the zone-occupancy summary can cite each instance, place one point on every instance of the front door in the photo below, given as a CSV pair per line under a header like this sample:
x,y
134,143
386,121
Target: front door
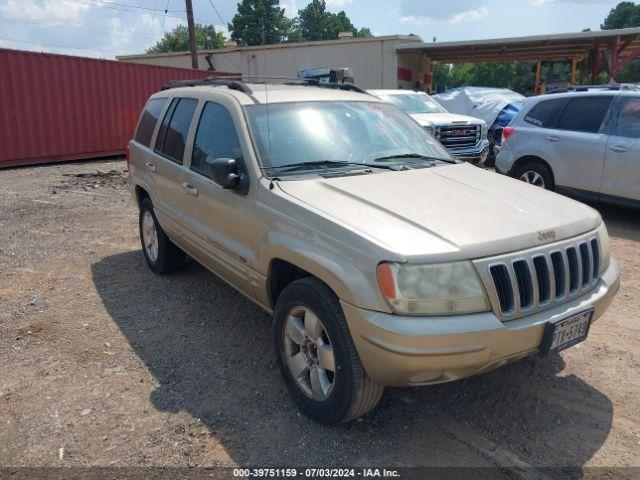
x,y
220,222
621,175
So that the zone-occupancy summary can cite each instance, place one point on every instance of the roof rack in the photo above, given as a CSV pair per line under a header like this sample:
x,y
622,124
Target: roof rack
x,y
586,88
333,85
231,84
244,88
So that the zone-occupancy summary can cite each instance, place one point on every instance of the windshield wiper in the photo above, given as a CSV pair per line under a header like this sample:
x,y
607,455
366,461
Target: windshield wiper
x,y
417,156
324,163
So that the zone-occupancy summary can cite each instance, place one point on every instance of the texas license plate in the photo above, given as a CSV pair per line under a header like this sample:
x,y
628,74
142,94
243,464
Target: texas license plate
x,y
566,332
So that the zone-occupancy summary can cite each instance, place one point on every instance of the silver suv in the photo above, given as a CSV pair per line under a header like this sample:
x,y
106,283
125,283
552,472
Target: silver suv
x,y
383,260
582,143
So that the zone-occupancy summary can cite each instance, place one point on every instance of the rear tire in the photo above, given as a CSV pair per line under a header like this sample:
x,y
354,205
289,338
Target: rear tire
x,y
161,254
537,174
308,323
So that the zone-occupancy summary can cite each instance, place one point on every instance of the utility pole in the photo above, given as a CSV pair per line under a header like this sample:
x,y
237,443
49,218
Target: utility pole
x,y
192,35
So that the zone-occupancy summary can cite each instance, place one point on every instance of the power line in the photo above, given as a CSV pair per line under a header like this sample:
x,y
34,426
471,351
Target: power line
x,y
136,6
217,13
65,26
122,9
118,7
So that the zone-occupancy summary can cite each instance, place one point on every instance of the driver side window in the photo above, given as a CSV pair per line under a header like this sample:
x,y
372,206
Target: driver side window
x,y
216,137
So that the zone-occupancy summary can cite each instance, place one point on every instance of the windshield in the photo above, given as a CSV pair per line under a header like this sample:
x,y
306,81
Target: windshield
x,y
414,102
339,133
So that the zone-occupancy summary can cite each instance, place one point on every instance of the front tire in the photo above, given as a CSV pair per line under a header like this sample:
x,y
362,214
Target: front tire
x,y
537,174
161,254
316,355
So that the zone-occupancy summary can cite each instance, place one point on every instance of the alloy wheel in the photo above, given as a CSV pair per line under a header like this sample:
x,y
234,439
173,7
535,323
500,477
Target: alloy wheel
x,y
533,178
149,236
308,353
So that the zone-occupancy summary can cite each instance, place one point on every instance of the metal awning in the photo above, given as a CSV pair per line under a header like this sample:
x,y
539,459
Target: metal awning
x,y
547,47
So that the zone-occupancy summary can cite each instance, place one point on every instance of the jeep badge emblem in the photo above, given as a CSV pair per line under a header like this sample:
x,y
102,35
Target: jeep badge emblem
x,y
549,235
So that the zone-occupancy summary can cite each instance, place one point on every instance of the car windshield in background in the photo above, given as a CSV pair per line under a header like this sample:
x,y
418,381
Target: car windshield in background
x,y
414,103
339,134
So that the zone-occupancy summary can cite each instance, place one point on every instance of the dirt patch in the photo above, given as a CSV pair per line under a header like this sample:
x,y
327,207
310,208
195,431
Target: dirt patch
x,y
179,370
112,179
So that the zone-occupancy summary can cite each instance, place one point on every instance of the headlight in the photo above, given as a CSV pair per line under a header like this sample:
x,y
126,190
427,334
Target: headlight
x,y
439,289
484,131
603,241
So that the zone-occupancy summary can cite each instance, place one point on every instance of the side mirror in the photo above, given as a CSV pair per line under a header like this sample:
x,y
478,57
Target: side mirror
x,y
225,172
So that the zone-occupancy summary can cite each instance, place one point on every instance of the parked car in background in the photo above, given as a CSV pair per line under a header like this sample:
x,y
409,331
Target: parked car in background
x,y
465,137
584,142
496,106
384,261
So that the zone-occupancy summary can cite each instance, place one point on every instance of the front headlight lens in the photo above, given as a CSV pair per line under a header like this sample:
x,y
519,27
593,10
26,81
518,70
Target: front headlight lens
x,y
439,289
603,241
484,131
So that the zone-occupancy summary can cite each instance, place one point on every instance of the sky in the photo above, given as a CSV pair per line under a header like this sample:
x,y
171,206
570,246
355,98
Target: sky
x,y
106,28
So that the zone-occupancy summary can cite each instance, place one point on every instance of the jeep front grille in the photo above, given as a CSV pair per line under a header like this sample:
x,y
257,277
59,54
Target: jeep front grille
x,y
458,136
529,281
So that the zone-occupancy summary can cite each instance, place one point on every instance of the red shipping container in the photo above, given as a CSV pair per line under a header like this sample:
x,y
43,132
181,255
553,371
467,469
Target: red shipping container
x,y
59,107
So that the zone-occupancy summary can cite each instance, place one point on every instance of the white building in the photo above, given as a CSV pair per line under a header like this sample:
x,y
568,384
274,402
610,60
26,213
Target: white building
x,y
374,60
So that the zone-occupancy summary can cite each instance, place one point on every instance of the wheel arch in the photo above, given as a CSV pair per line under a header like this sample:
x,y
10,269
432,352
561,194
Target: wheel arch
x,y
289,260
522,161
141,193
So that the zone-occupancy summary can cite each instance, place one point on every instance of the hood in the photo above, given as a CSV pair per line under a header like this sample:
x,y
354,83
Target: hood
x,y
449,212
429,119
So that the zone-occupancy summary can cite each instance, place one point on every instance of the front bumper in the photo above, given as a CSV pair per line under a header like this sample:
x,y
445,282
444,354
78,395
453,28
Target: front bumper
x,y
476,154
404,351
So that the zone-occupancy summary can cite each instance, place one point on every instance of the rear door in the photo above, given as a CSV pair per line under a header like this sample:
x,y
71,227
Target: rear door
x,y
578,144
621,176
220,222
168,160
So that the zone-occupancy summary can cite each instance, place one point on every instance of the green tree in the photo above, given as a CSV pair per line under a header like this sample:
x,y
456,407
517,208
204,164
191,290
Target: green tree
x,y
314,22
514,75
625,15
177,40
257,20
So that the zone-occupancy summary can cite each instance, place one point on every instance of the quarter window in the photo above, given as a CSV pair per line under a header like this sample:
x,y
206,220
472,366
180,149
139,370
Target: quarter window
x,y
626,118
148,120
216,138
584,114
544,113
172,136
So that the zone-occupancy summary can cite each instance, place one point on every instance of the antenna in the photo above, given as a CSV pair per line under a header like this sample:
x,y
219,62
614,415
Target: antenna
x,y
266,92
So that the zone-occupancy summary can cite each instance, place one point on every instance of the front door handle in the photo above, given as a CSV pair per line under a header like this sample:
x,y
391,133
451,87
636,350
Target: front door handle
x,y
151,167
552,138
617,148
190,189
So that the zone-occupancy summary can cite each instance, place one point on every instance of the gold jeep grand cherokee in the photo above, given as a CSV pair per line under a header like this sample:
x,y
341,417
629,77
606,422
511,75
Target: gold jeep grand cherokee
x,y
383,260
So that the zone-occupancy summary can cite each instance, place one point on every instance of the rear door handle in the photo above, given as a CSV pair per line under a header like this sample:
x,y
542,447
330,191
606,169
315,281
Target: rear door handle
x,y
151,167
190,189
552,138
616,148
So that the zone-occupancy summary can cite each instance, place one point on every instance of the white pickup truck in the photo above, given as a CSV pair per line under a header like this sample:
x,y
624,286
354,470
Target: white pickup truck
x,y
465,137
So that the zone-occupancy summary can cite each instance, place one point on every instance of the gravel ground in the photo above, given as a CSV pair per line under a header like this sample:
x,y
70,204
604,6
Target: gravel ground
x,y
107,364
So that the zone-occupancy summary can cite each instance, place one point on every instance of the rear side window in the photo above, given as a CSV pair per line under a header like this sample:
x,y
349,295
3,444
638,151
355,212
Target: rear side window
x,y
625,118
544,114
172,136
216,137
584,114
148,120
